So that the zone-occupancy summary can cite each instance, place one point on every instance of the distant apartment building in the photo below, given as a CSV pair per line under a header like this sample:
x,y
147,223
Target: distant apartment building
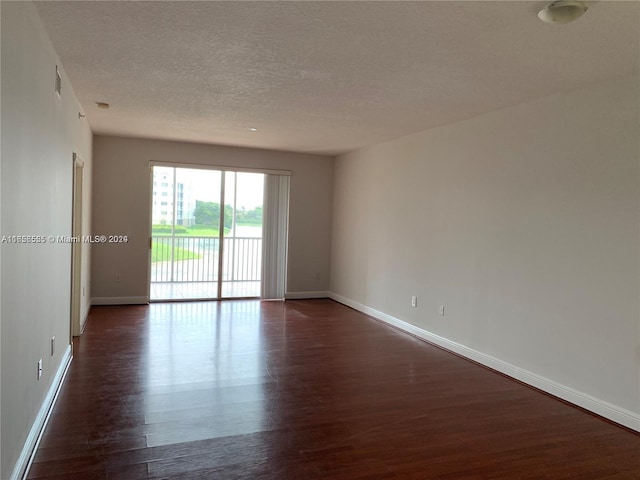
x,y
163,200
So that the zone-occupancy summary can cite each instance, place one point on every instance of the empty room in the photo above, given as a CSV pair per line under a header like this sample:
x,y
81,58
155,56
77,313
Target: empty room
x,y
320,240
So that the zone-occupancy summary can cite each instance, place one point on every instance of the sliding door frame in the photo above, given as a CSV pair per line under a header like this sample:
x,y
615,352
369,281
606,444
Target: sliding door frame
x,y
222,169
221,234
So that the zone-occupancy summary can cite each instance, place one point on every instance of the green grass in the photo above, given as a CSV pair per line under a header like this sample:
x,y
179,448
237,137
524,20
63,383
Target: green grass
x,y
162,253
192,231
204,231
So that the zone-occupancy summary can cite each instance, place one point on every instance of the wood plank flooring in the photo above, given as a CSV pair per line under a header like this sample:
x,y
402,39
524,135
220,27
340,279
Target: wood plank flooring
x,y
303,390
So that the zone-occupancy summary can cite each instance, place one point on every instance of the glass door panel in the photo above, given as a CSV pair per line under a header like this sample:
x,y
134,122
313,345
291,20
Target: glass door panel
x,y
242,265
185,233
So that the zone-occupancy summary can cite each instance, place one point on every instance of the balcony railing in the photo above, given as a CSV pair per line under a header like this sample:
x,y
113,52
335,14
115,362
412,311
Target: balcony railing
x,y
196,259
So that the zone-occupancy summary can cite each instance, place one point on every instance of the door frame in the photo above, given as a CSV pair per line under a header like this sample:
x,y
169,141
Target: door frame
x,y
282,234
76,246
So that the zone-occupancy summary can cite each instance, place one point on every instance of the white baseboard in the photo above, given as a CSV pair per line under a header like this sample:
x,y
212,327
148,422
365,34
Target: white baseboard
x,y
33,439
605,409
303,295
119,300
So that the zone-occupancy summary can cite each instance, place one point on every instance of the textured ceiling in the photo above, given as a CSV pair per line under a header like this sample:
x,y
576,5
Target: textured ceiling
x,y
323,77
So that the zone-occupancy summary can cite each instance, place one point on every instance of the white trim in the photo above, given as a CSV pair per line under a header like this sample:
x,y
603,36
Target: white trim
x,y
76,248
226,168
600,407
119,300
303,295
23,464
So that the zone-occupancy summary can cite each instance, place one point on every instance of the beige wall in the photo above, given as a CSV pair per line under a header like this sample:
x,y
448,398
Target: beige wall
x,y
40,132
523,223
121,205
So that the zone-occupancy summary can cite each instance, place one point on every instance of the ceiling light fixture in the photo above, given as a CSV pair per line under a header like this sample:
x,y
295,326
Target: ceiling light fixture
x,y
562,11
253,129
103,105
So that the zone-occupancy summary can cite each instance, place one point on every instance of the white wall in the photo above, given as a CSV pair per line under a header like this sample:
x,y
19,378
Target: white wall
x,y
121,205
523,223
40,132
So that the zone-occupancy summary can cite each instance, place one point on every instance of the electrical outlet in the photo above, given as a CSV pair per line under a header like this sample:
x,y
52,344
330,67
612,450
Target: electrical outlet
x,y
442,310
39,369
53,345
414,302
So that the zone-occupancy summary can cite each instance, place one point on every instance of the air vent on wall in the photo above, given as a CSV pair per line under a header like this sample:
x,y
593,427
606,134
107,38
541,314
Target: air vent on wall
x,y
58,82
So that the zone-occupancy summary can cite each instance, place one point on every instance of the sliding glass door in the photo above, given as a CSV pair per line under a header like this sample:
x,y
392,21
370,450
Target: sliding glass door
x,y
206,234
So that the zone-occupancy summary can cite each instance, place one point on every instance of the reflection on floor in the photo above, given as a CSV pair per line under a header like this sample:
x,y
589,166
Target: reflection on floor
x,y
203,290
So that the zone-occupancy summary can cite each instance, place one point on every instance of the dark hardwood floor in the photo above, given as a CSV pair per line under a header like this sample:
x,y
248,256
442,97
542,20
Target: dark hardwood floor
x,y
303,390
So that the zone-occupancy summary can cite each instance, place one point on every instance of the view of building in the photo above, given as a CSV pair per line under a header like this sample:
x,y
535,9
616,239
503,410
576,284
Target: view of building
x,y
163,200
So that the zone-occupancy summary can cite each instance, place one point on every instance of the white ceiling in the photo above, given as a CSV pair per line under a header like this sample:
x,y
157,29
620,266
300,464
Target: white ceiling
x,y
323,77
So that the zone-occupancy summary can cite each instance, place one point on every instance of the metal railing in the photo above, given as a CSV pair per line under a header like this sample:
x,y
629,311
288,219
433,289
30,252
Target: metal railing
x,y
196,259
